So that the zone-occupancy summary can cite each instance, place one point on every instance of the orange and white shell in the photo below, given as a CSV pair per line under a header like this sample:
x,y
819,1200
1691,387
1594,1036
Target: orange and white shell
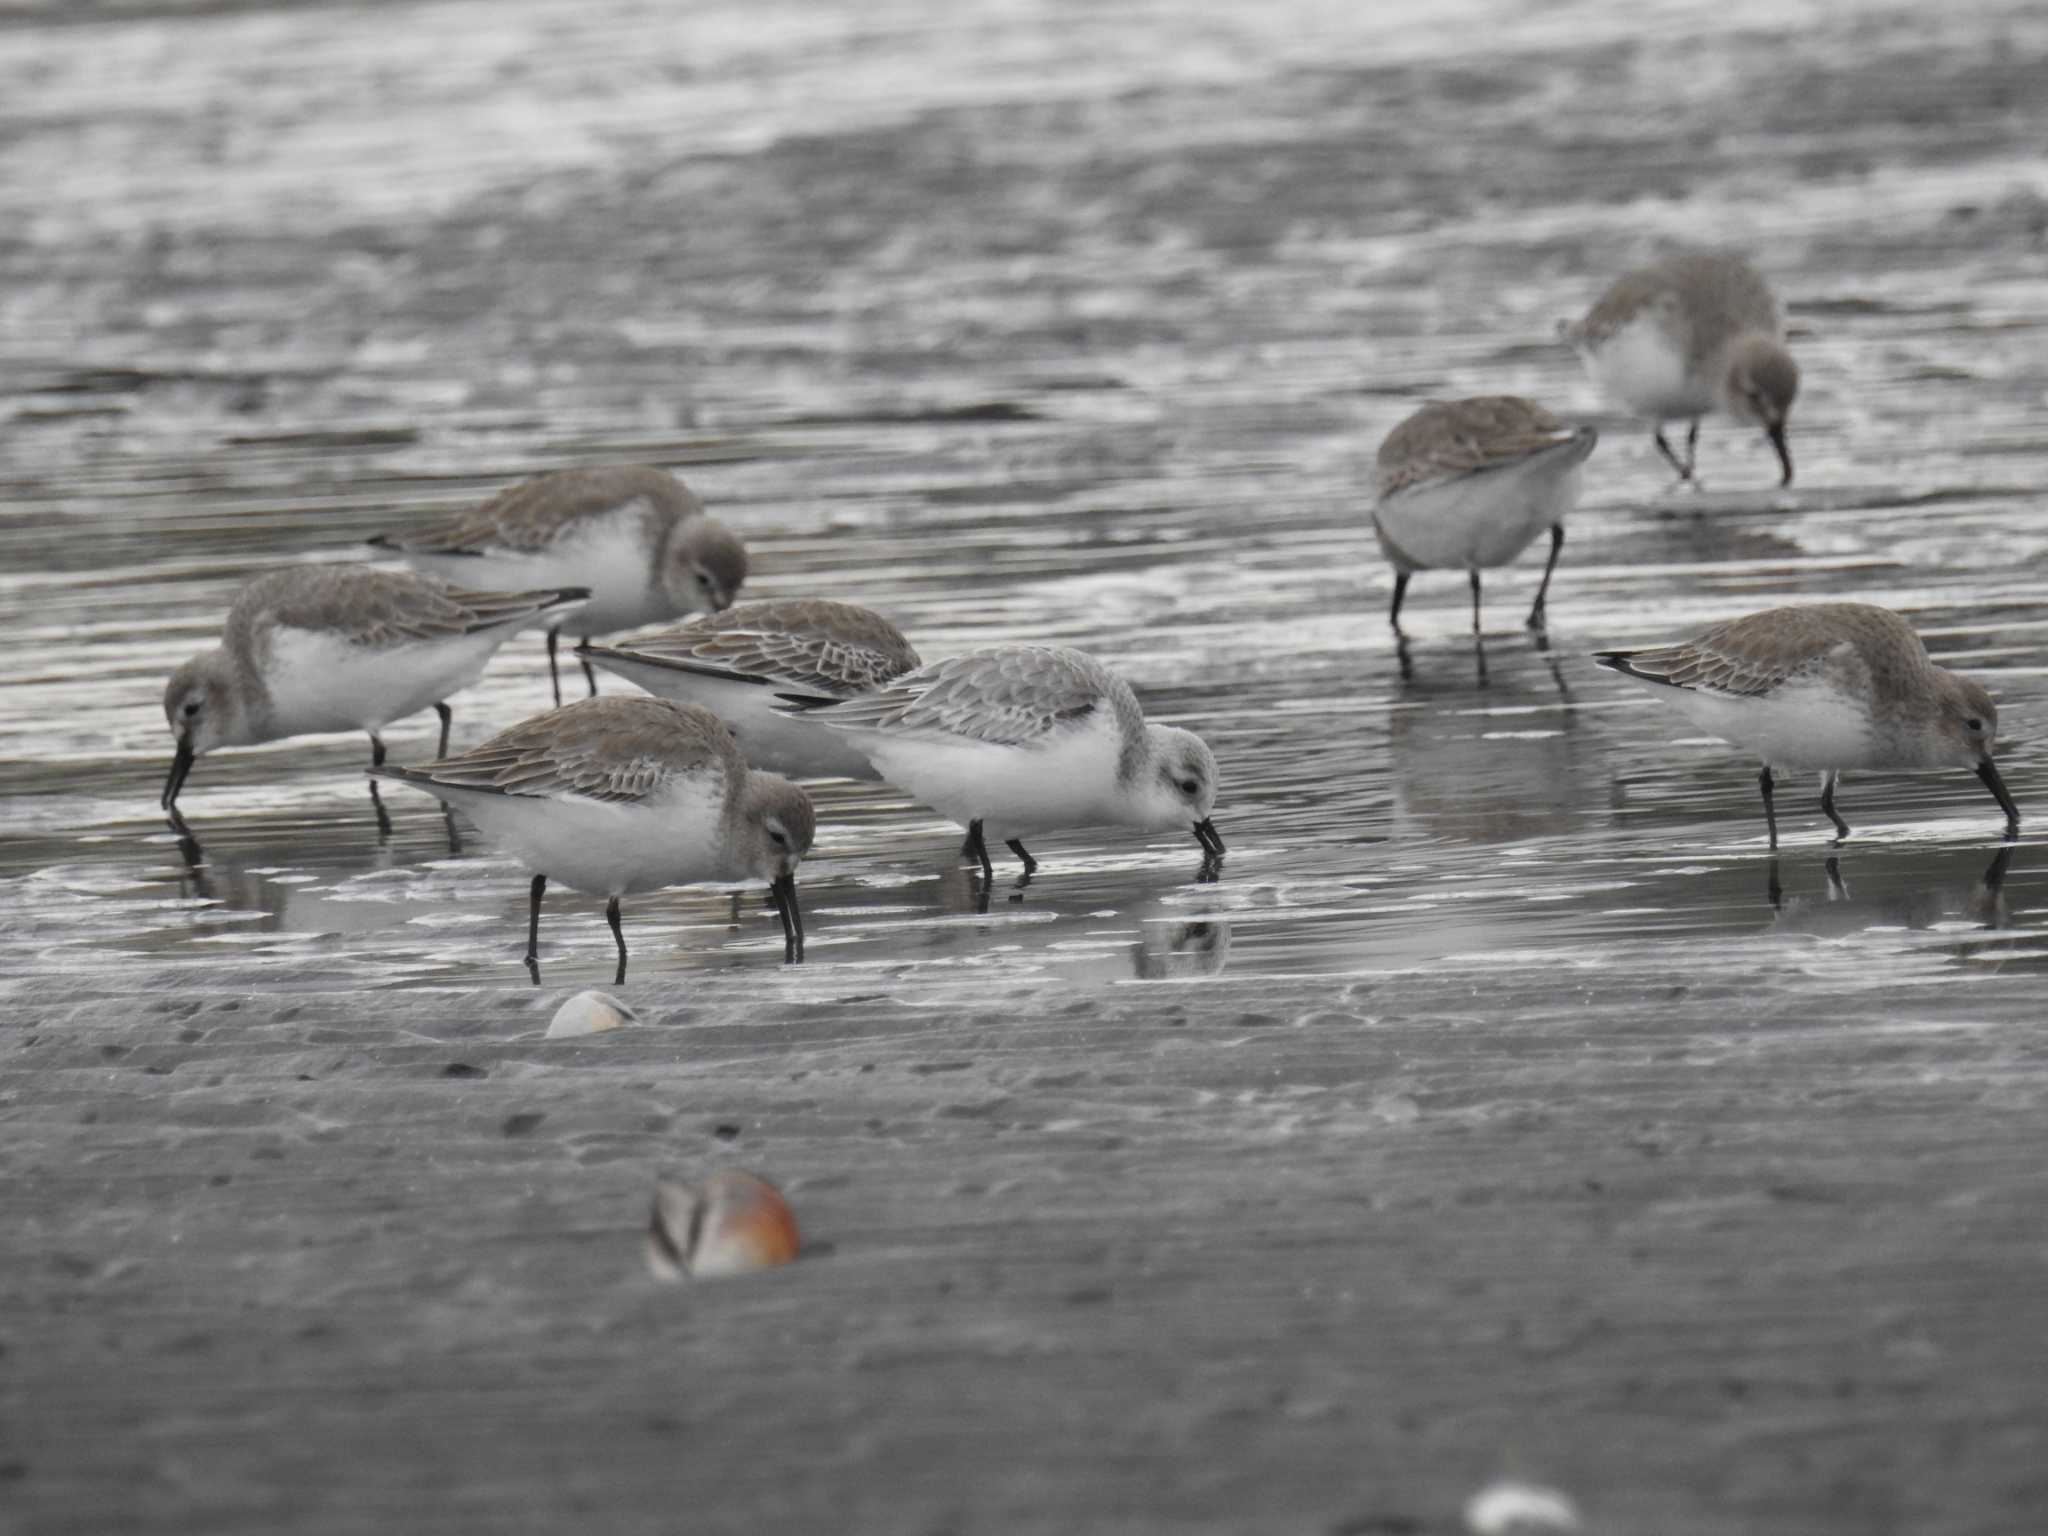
x,y
731,1224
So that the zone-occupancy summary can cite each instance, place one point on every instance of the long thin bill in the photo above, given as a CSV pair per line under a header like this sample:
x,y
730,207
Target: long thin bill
x,y
1210,839
181,765
1987,770
1777,436
784,887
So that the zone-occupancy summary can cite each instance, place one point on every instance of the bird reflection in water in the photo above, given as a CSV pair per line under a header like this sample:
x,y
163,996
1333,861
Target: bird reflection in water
x,y
1171,951
1839,913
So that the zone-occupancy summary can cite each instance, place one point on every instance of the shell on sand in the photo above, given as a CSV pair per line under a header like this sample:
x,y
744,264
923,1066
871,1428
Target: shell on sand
x,y
1520,1509
590,1013
733,1223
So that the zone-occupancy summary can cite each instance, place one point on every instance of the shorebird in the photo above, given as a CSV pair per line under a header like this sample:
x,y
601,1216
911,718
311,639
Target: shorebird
x,y
1468,484
740,663
636,536
619,795
1826,686
1022,739
1681,338
340,648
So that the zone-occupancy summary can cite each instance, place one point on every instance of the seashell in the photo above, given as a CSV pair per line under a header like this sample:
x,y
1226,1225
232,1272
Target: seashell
x,y
590,1013
732,1223
1520,1509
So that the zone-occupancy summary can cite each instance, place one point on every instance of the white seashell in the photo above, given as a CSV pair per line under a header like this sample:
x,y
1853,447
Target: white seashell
x,y
1520,1509
730,1224
590,1013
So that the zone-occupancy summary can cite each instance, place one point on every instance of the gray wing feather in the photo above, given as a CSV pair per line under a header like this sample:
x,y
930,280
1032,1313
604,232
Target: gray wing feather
x,y
816,648
620,749
379,609
531,515
1013,696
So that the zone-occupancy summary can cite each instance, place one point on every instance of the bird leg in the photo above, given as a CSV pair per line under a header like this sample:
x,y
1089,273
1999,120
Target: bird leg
x,y
1556,548
1474,575
1016,846
377,800
975,848
589,676
1770,811
1683,466
1828,781
1773,888
1400,591
554,670
539,888
447,719
611,915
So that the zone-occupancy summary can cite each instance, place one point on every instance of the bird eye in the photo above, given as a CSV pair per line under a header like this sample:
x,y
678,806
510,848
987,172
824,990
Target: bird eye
x,y
1189,786
777,838
191,708
1973,725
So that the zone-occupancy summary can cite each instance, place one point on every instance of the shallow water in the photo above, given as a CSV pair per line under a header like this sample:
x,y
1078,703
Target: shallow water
x,y
1011,350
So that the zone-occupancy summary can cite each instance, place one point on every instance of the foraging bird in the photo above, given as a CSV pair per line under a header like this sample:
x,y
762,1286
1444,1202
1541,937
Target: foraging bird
x,y
1468,484
338,648
618,795
1681,338
741,663
1017,740
636,536
1826,686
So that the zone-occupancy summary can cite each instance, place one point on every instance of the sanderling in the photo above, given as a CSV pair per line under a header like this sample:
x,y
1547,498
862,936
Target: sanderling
x,y
1826,686
636,536
617,795
1691,334
1468,484
340,648
738,664
1022,739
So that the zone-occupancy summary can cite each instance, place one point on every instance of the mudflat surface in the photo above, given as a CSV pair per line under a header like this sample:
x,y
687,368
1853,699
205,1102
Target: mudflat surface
x,y
1505,1110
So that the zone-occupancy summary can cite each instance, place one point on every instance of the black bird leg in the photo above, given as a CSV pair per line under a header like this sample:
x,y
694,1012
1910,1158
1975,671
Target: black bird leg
x,y
975,848
589,676
454,833
1828,781
1536,620
377,800
554,669
1773,888
611,915
539,888
1016,846
1770,811
447,719
1474,575
1400,592
1683,466
1692,449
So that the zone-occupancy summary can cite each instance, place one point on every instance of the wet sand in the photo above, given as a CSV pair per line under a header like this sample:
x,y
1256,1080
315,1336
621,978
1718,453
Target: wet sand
x,y
1489,1117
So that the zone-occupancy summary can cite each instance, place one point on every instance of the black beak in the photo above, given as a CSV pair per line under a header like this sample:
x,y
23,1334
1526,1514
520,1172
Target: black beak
x,y
1210,839
181,766
784,887
1988,772
1777,436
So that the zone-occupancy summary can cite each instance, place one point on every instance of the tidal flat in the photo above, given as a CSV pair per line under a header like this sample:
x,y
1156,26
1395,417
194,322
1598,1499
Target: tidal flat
x,y
1506,1109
